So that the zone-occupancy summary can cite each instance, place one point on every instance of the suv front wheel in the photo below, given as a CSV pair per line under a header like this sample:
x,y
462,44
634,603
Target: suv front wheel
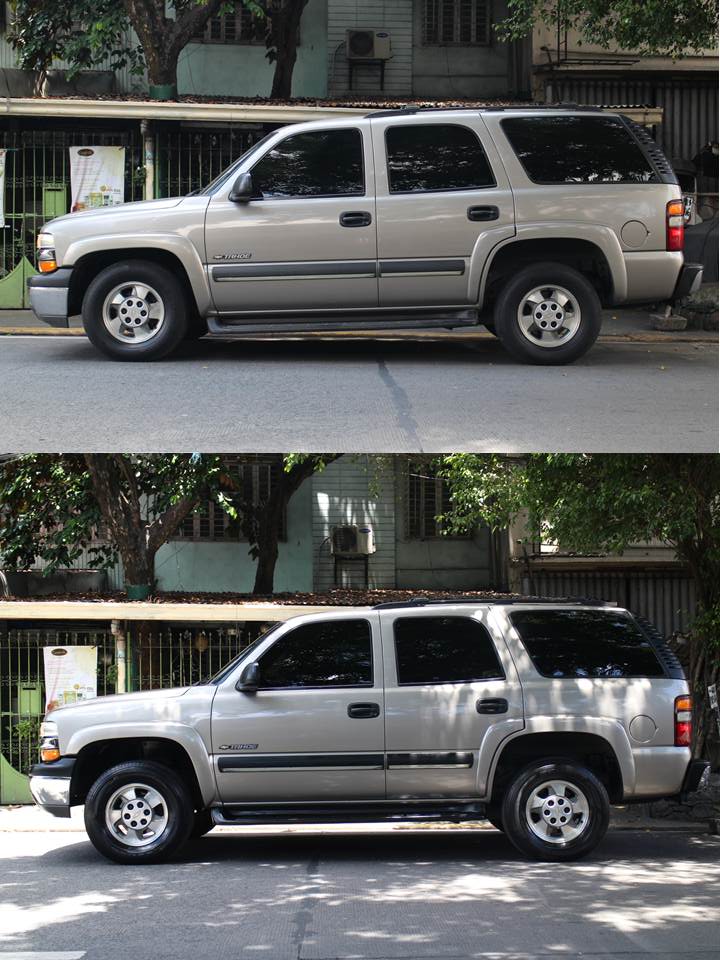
x,y
555,810
138,812
547,314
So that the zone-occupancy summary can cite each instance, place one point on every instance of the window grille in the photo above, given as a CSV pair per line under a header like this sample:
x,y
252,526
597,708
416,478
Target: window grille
x,y
238,25
428,496
466,22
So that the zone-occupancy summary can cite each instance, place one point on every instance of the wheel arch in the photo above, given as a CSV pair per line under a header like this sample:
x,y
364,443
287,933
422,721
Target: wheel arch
x,y
100,753
595,751
89,264
598,259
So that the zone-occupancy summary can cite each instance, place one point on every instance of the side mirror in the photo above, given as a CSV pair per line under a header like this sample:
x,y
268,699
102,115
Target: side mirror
x,y
242,190
249,679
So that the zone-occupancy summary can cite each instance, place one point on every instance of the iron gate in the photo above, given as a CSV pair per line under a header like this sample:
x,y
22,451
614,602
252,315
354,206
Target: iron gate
x,y
189,158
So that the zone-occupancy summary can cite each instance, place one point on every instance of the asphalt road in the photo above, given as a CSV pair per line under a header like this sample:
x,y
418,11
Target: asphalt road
x,y
405,895
57,393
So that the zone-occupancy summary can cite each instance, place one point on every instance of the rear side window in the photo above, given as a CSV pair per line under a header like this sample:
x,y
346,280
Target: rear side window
x,y
586,643
577,149
444,650
424,158
330,653
320,163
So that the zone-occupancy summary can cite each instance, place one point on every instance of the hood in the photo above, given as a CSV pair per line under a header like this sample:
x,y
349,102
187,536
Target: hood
x,y
137,206
155,695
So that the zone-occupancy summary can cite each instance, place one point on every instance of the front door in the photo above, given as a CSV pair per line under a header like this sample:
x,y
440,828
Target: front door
x,y
307,240
315,728
443,202
447,684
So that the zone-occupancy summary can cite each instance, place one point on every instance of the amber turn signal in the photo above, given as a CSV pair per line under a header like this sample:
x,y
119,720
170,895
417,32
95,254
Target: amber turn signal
x,y
47,266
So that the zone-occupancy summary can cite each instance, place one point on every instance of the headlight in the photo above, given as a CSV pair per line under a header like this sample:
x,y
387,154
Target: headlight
x,y
46,253
49,743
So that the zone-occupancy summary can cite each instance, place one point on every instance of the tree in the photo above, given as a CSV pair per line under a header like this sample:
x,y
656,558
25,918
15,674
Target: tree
x,y
283,26
660,27
88,32
604,502
54,506
261,521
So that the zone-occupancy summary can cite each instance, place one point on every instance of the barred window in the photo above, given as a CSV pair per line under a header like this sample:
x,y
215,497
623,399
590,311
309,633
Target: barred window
x,y
428,496
457,21
255,480
239,25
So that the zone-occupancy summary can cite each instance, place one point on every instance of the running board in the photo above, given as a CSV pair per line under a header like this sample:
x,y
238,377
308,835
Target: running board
x,y
385,321
351,812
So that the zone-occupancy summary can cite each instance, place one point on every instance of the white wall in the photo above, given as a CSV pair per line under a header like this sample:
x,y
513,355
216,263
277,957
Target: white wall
x,y
395,16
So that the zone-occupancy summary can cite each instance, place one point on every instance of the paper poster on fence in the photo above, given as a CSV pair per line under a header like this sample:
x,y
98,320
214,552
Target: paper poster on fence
x,y
3,154
70,675
97,177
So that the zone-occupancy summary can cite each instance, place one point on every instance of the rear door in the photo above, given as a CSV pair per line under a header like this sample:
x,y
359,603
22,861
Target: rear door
x,y
447,684
314,730
307,239
443,202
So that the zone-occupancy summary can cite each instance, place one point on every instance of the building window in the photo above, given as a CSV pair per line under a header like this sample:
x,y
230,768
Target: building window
x,y
239,25
457,21
255,480
428,496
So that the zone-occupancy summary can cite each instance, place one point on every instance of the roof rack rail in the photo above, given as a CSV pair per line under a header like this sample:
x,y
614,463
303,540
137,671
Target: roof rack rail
x,y
409,110
494,601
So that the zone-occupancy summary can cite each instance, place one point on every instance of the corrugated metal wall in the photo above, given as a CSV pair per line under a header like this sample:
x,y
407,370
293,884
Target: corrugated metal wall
x,y
666,598
690,105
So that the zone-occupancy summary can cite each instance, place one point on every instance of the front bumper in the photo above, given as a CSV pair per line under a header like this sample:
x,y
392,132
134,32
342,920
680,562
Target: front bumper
x,y
688,282
50,785
49,296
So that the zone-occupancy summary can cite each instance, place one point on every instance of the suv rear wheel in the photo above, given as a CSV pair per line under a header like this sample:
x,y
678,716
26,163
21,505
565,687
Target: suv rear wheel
x,y
548,314
134,310
138,812
555,810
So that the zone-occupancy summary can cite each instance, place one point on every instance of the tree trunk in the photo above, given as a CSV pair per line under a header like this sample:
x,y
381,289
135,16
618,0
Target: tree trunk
x,y
267,544
704,670
285,20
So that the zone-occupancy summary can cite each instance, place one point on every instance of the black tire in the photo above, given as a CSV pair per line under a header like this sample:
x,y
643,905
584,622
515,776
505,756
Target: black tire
x,y
177,807
202,824
517,819
171,293
547,275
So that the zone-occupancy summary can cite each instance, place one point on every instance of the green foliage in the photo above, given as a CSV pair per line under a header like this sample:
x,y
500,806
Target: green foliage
x,y
661,27
51,509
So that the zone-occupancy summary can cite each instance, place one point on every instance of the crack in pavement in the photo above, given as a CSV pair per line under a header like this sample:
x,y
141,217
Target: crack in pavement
x,y
303,917
403,407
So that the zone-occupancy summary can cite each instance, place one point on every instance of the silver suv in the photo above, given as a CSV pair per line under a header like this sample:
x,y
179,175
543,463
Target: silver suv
x,y
526,220
534,715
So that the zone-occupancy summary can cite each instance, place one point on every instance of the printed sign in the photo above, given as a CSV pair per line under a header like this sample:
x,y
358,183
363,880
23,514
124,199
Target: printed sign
x,y
70,675
97,177
3,154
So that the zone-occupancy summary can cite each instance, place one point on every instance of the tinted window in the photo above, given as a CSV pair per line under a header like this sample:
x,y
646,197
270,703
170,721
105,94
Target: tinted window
x,y
586,643
444,650
337,653
572,149
435,157
324,163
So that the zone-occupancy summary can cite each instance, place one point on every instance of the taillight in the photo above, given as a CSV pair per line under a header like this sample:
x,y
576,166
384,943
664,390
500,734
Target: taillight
x,y
683,721
675,225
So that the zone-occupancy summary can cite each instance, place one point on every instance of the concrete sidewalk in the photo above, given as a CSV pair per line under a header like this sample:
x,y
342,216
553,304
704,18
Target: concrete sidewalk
x,y
618,325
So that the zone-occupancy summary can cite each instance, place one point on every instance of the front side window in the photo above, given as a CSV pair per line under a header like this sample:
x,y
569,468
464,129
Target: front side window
x,y
577,149
334,653
586,643
438,156
444,650
320,163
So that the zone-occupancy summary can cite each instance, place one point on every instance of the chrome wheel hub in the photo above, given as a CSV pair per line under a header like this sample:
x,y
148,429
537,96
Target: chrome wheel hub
x,y
136,814
549,316
133,312
557,811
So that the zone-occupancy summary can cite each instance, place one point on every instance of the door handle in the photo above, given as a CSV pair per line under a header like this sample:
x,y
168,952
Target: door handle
x,y
492,705
355,218
483,213
359,710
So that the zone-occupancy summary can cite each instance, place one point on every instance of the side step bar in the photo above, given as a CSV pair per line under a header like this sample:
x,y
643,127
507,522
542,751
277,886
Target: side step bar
x,y
381,812
386,321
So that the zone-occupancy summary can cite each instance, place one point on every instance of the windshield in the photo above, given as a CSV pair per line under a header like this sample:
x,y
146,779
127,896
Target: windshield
x,y
229,172
229,667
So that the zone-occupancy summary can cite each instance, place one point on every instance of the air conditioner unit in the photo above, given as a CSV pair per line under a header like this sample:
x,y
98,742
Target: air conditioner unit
x,y
352,541
368,45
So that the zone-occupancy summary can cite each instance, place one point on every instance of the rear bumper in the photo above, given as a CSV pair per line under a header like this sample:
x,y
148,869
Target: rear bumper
x,y
688,282
49,296
50,785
